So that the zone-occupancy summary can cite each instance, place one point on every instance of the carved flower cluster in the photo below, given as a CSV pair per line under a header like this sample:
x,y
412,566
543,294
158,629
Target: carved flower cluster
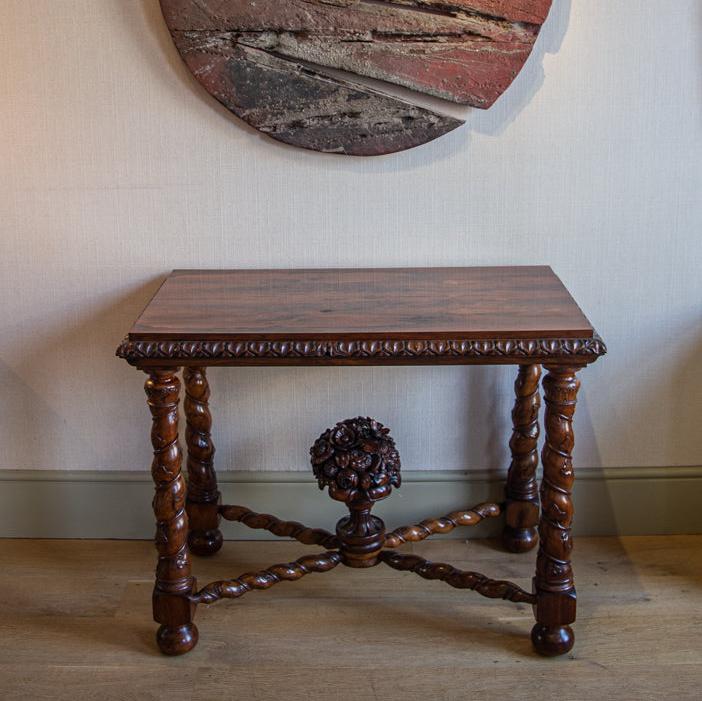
x,y
357,460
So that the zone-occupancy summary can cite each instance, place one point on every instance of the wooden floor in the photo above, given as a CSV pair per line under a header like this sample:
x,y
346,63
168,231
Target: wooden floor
x,y
75,624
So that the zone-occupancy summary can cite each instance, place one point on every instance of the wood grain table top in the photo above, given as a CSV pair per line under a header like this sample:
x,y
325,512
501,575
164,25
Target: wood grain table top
x,y
341,306
518,302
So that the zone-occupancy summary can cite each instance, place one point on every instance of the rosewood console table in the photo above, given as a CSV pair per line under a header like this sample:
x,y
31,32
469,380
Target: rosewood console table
x,y
520,316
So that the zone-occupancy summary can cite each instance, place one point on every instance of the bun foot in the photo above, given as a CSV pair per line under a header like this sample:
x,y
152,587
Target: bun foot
x,y
177,641
205,543
519,540
552,641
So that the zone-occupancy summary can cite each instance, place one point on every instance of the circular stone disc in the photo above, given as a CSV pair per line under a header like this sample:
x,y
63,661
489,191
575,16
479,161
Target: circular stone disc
x,y
265,60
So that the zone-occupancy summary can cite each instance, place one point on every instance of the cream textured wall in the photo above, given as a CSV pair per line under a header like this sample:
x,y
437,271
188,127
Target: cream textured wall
x,y
116,168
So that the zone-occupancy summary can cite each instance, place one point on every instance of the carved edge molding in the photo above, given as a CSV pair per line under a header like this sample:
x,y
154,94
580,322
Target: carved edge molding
x,y
586,349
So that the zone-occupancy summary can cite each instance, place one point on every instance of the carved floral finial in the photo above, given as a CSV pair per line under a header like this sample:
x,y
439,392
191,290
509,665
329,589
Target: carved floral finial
x,y
357,460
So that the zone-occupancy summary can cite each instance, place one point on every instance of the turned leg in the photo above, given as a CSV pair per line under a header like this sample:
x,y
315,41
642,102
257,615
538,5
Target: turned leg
x,y
174,584
203,500
553,584
522,490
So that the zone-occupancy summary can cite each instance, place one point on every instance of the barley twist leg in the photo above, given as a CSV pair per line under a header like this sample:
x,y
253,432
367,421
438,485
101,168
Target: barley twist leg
x,y
522,489
553,583
204,537
174,583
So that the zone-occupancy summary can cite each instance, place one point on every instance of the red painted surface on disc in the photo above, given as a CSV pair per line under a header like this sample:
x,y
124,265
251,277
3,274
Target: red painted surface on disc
x,y
265,60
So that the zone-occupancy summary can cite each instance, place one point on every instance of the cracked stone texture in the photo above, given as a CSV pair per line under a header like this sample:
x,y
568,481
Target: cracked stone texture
x,y
265,60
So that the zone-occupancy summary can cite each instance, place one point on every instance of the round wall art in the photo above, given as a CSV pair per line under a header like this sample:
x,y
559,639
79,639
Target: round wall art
x,y
283,66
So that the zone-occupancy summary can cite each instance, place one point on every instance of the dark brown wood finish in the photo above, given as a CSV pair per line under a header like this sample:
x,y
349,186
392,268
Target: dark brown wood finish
x,y
283,529
522,489
174,583
443,351
445,524
358,462
203,500
553,584
460,579
344,305
265,579
374,317
521,316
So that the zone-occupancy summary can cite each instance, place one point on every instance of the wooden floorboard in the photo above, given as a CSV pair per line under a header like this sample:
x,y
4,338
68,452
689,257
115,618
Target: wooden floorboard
x,y
76,624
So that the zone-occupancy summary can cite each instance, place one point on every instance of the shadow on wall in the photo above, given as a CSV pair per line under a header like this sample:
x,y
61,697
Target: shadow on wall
x,y
686,383
603,519
36,393
661,437
491,122
26,407
494,121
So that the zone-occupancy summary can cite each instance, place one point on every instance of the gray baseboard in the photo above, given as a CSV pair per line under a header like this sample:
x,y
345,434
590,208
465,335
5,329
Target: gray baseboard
x,y
92,504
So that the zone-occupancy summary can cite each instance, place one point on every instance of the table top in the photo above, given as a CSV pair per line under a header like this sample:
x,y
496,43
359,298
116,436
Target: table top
x,y
333,314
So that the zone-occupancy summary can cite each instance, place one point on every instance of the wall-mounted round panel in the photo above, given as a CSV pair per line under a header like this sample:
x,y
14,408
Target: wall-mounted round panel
x,y
267,61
